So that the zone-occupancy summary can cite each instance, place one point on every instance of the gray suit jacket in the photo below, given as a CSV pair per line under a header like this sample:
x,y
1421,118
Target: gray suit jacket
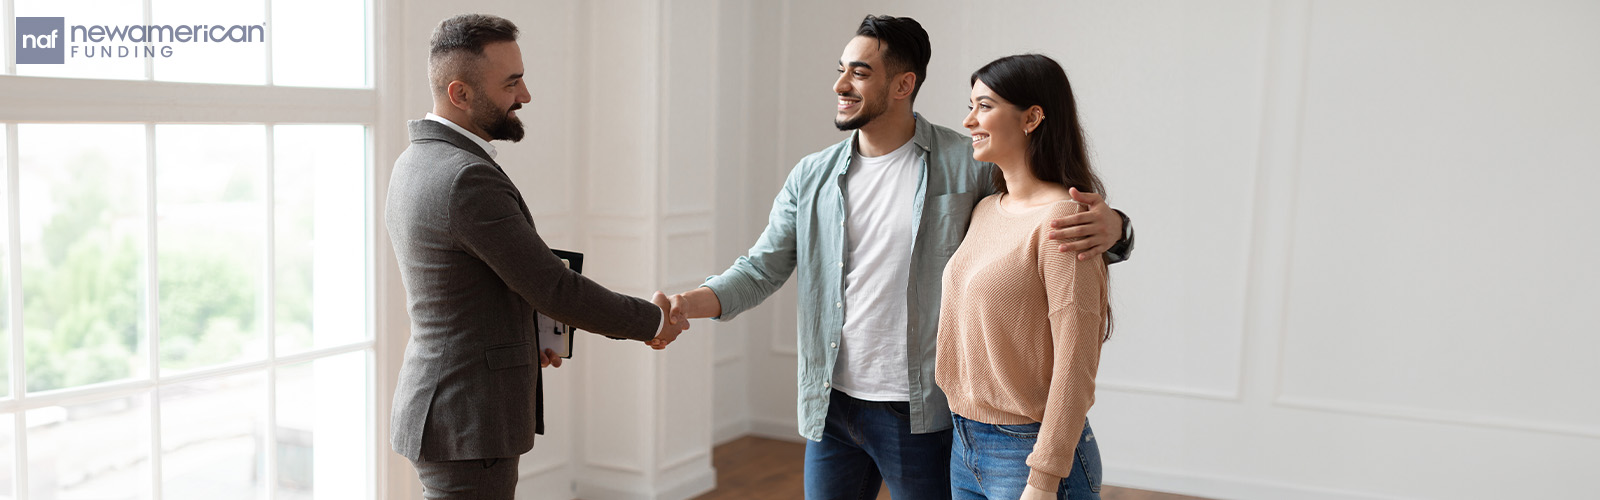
x,y
475,272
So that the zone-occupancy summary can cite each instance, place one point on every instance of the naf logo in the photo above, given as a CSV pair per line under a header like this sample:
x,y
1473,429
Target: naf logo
x,y
41,40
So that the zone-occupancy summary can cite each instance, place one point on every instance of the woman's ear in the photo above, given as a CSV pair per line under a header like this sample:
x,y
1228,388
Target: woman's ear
x,y
1032,118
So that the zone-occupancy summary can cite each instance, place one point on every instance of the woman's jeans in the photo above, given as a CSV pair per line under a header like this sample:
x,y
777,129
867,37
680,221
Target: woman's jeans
x,y
989,461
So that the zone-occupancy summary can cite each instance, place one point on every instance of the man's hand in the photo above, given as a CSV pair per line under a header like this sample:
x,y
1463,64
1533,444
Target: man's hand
x,y
675,324
549,358
697,303
1091,232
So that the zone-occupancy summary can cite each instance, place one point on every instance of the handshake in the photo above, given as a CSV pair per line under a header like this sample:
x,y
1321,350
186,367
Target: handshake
x,y
677,309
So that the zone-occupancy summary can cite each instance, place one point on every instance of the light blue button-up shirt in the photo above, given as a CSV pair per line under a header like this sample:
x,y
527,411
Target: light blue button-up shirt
x,y
806,231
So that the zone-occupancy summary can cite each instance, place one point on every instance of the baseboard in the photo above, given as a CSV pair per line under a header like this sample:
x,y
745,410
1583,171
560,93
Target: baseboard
x,y
689,487
552,482
775,428
1225,488
730,431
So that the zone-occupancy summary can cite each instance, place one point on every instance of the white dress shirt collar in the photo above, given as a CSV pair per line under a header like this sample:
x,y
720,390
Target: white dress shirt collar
x,y
487,148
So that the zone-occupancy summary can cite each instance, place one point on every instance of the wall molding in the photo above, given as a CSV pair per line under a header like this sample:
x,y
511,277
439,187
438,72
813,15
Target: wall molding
x,y
1220,486
543,469
546,484
687,488
685,459
617,467
730,430
1160,390
679,271
690,486
1449,417
775,428
1283,129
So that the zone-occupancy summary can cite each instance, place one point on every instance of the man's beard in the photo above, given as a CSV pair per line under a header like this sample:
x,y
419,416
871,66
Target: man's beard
x,y
870,110
500,125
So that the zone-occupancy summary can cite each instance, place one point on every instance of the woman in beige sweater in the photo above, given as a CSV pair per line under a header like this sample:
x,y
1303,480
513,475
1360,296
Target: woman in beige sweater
x,y
1021,323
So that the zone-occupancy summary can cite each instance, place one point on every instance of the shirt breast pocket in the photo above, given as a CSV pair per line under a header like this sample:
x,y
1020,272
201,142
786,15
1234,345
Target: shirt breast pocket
x,y
951,214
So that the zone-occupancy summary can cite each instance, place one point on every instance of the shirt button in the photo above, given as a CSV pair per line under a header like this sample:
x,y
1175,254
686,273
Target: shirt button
x,y
834,345
841,265
825,385
838,304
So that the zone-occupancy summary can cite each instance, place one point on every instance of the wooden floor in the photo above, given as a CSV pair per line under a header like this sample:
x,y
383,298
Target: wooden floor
x,y
753,468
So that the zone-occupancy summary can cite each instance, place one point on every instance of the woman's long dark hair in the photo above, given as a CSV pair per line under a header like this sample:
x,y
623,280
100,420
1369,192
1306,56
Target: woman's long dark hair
x,y
1057,151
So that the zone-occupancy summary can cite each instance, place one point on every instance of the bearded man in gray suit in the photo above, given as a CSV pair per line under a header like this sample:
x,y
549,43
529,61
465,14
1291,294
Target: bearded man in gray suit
x,y
469,398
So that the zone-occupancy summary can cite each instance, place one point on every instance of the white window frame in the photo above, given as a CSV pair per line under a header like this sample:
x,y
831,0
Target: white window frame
x,y
29,99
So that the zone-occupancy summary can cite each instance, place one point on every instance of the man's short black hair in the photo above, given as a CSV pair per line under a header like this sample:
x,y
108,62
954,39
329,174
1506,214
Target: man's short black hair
x,y
906,46
457,44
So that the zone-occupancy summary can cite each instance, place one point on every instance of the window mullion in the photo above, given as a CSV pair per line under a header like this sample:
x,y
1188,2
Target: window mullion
x,y
8,14
151,305
269,307
50,99
149,62
19,386
268,42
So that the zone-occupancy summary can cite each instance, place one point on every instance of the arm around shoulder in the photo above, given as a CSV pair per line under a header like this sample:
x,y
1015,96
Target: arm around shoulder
x,y
1094,231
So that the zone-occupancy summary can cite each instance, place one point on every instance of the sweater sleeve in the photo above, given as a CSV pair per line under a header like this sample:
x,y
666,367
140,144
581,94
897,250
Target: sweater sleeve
x,y
1075,291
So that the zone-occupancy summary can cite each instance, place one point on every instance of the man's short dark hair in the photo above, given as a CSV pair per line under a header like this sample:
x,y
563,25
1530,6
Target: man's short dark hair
x,y
906,46
457,44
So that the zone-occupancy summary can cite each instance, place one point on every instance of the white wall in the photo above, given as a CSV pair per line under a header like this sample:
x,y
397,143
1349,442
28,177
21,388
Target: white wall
x,y
1365,259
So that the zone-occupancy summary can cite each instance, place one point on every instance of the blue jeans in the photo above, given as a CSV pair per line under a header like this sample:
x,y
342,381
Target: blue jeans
x,y
991,461
865,443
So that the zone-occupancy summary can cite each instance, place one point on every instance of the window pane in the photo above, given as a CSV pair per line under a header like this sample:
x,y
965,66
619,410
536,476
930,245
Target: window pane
x,y
211,438
98,450
210,224
5,288
240,57
320,219
83,58
83,253
5,44
324,431
319,43
8,455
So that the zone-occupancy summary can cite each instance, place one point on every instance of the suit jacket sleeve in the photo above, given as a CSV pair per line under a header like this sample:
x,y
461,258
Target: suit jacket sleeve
x,y
487,219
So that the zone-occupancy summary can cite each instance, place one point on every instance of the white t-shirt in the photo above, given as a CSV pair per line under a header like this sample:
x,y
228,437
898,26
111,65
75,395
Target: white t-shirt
x,y
879,195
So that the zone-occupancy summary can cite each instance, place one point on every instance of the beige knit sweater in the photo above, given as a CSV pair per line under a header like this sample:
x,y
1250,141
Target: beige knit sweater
x,y
1020,329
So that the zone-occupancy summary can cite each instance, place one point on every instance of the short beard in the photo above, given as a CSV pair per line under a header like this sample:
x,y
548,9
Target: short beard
x,y
868,113
500,125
